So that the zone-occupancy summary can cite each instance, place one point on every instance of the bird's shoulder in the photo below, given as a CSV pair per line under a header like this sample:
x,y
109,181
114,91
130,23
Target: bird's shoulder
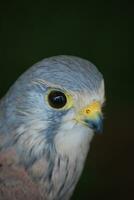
x,y
15,183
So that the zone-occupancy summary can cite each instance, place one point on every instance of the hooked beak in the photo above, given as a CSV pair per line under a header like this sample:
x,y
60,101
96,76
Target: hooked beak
x,y
91,116
96,124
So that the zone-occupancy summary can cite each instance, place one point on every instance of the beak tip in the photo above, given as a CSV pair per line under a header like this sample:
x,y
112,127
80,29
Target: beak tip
x,y
96,125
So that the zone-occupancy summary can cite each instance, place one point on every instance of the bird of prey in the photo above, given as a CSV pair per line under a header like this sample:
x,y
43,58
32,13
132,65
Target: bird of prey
x,y
47,121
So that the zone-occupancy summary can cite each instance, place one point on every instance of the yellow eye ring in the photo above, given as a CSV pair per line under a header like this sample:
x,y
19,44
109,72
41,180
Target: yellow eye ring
x,y
58,99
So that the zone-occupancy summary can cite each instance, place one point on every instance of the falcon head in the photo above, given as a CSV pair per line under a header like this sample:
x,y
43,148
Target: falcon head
x,y
55,105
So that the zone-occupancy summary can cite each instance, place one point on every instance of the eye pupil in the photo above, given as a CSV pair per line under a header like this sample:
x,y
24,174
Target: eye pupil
x,y
57,99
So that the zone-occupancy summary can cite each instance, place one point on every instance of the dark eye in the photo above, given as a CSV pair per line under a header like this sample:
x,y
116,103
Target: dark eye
x,y
57,99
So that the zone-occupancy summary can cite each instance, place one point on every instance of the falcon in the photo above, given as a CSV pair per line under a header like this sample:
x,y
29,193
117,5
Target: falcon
x,y
47,121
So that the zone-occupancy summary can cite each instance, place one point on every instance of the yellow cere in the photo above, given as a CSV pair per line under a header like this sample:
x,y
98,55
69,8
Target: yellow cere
x,y
91,110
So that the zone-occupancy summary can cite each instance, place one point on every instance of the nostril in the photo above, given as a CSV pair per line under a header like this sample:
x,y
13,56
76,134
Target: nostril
x,y
88,111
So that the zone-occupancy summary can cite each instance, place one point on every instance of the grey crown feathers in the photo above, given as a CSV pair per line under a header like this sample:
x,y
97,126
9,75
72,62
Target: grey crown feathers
x,y
48,145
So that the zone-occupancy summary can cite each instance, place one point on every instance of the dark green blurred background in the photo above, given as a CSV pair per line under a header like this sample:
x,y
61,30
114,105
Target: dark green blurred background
x,y
100,31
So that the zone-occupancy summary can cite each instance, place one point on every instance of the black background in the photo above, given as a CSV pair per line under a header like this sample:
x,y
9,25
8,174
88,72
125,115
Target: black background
x,y
102,32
